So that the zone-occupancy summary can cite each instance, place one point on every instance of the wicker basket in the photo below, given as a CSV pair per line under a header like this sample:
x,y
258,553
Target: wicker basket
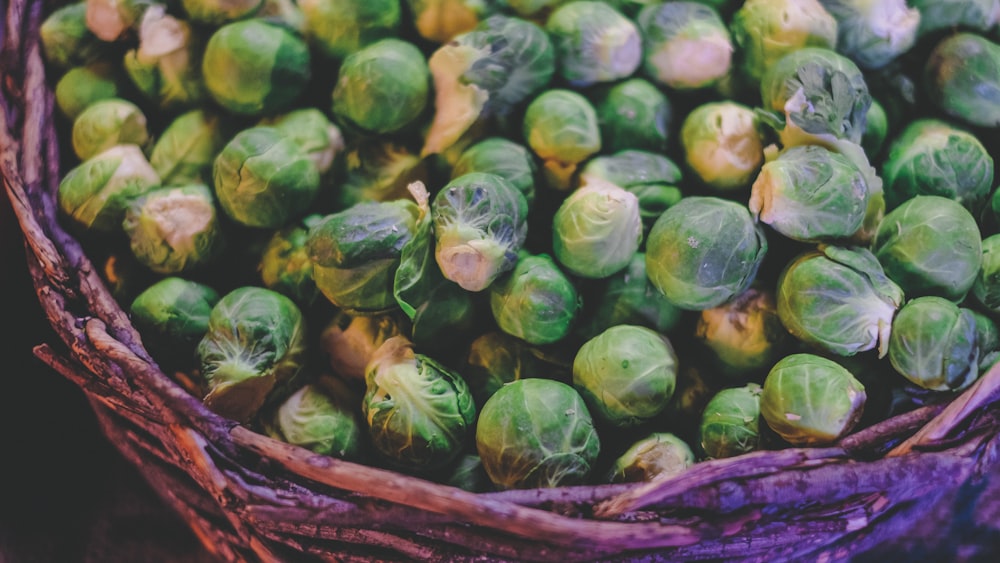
x,y
250,498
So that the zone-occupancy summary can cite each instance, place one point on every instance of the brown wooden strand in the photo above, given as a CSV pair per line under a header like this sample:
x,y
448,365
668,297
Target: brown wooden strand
x,y
35,114
874,438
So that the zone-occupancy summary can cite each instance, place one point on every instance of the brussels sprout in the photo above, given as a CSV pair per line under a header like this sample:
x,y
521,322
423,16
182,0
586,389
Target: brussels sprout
x,y
285,265
634,114
932,157
439,21
378,169
340,27
382,87
650,176
930,245
174,229
254,67
350,341
704,251
96,193
686,45
83,85
561,128
987,340
937,15
745,334
496,358
876,129
597,229
962,78
594,42
626,374
172,316
107,123
468,474
264,179
185,150
419,412
284,12
534,9
874,33
819,91
256,341
811,401
164,66
112,20
505,158
809,193
933,344
766,30
628,297
722,144
480,223
66,40
355,253
730,423
536,433
535,302
218,12
657,456
321,417
986,287
839,300
321,140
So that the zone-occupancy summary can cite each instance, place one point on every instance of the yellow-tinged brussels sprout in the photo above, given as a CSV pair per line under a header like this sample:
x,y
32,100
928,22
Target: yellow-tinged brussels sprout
x,y
626,374
378,169
439,21
172,316
934,344
659,455
106,123
536,433
164,66
686,45
722,144
322,417
83,85
256,341
218,12
594,42
766,30
535,301
730,423
811,401
561,128
185,150
340,27
66,39
597,229
350,341
744,335
285,265
496,358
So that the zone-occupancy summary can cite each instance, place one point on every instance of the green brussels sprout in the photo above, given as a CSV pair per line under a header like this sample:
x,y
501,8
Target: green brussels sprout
x,y
650,176
340,27
627,297
874,33
356,252
933,344
593,42
285,265
597,229
106,123
561,128
704,251
66,40
174,229
535,301
811,401
483,73
686,45
987,340
419,412
321,417
626,374
172,317
634,114
264,179
819,91
933,157
255,67
440,21
378,169
256,341
722,144
657,456
381,87
83,85
96,193
480,224
164,66
930,245
217,12
766,30
536,433
745,334
321,140
534,9
496,358
284,12
349,341
496,155
113,20
962,79
938,15
876,129
730,423
986,287
185,150
838,299
808,193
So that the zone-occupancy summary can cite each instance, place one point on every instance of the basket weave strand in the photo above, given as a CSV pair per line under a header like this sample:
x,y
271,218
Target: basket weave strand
x,y
251,498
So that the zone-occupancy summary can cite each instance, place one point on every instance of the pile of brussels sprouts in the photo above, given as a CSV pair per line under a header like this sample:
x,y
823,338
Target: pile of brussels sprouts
x,y
508,244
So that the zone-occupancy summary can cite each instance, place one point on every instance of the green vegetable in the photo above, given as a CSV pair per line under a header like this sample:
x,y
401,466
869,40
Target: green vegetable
x,y
172,316
81,86
722,144
937,15
986,287
309,128
934,344
66,39
597,229
651,177
174,229
285,265
730,423
165,64
496,155
320,417
106,123
349,341
535,301
338,28
185,150
634,114
594,42
962,79
766,30
686,45
218,12
744,335
561,128
873,33
657,456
